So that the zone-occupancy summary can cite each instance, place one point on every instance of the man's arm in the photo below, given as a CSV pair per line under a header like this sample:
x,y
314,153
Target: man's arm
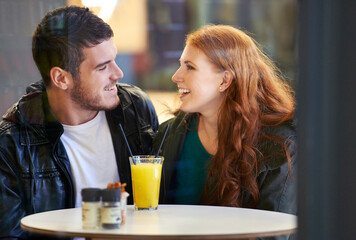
x,y
12,203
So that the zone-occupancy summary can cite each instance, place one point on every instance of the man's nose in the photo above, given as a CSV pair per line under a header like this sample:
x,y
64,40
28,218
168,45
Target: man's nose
x,y
117,73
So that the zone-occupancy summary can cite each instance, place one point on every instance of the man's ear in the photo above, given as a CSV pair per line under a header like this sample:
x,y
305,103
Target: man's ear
x,y
226,81
59,78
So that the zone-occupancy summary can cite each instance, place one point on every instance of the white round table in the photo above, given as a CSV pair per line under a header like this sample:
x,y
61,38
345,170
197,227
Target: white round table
x,y
170,222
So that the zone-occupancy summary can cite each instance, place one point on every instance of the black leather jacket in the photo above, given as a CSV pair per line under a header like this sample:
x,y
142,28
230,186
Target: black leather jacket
x,y
35,173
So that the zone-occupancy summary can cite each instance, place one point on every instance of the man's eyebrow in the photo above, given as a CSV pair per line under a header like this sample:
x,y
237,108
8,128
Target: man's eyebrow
x,y
102,64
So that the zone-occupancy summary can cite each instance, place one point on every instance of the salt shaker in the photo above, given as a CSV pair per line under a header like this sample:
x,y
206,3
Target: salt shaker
x,y
91,208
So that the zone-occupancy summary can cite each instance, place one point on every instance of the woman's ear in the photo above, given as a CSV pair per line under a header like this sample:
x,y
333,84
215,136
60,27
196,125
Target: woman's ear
x,y
226,81
59,78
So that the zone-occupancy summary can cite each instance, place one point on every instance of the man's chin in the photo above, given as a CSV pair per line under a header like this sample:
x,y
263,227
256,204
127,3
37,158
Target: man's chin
x,y
113,106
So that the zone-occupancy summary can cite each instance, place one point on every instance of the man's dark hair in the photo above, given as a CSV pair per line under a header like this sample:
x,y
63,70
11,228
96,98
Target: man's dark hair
x,y
62,34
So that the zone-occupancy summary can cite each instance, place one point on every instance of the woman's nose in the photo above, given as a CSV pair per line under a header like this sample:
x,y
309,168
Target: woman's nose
x,y
176,77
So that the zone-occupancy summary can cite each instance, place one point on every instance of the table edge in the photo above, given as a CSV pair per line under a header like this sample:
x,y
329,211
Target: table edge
x,y
151,237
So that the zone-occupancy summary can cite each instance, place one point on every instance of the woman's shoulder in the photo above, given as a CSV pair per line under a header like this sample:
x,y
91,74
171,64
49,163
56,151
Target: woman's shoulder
x,y
176,127
282,131
177,122
276,143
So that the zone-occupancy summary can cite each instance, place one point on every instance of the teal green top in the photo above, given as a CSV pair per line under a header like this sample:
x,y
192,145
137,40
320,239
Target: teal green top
x,y
192,168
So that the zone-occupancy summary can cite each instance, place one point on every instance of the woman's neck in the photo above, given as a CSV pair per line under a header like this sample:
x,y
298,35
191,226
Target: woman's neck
x,y
208,133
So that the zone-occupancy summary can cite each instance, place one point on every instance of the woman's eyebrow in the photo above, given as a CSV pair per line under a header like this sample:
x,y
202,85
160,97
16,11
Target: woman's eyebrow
x,y
187,61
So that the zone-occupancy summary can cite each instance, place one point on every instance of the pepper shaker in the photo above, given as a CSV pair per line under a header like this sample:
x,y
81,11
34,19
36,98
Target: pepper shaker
x,y
110,208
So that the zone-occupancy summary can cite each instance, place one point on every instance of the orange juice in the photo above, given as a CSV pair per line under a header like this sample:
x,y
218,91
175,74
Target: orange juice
x,y
146,179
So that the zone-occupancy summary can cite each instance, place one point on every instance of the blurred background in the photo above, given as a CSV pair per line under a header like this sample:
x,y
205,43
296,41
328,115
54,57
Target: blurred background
x,y
149,35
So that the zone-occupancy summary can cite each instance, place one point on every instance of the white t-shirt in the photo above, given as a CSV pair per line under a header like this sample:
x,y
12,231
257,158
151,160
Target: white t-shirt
x,y
91,154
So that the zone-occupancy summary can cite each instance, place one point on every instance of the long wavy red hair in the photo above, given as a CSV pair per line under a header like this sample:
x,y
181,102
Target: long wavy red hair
x,y
257,97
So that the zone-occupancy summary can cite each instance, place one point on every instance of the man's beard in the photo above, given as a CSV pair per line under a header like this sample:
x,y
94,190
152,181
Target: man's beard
x,y
84,99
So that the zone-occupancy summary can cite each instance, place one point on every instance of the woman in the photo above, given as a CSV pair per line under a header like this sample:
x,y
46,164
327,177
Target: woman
x,y
232,142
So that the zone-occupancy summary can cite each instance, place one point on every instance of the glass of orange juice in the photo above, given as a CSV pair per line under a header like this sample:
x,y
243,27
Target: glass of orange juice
x,y
146,178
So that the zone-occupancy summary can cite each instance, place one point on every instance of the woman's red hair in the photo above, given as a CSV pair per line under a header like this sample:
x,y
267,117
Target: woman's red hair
x,y
257,97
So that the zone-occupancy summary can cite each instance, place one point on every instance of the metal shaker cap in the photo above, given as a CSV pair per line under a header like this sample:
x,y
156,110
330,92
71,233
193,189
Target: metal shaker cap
x,y
91,194
111,195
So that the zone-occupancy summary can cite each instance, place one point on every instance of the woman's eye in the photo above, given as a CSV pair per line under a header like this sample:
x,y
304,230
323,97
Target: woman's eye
x,y
189,67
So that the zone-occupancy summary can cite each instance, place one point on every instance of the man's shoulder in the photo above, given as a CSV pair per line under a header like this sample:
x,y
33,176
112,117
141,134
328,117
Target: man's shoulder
x,y
9,135
6,126
132,90
132,95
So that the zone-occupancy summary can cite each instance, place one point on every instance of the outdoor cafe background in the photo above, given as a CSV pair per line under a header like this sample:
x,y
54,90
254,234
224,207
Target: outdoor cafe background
x,y
149,35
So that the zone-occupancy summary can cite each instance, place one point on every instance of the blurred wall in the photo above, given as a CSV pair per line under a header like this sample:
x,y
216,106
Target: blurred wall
x,y
127,18
18,19
149,35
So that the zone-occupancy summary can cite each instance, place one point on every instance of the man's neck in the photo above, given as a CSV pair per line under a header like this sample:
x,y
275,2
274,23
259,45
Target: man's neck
x,y
65,111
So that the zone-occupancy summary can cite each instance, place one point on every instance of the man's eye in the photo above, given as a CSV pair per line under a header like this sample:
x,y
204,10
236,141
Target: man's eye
x,y
103,68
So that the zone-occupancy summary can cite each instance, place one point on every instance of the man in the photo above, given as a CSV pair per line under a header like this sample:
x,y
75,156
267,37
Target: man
x,y
64,134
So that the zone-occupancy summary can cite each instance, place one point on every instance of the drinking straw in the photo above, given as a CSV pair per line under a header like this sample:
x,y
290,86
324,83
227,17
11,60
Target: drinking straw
x,y
127,143
164,136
